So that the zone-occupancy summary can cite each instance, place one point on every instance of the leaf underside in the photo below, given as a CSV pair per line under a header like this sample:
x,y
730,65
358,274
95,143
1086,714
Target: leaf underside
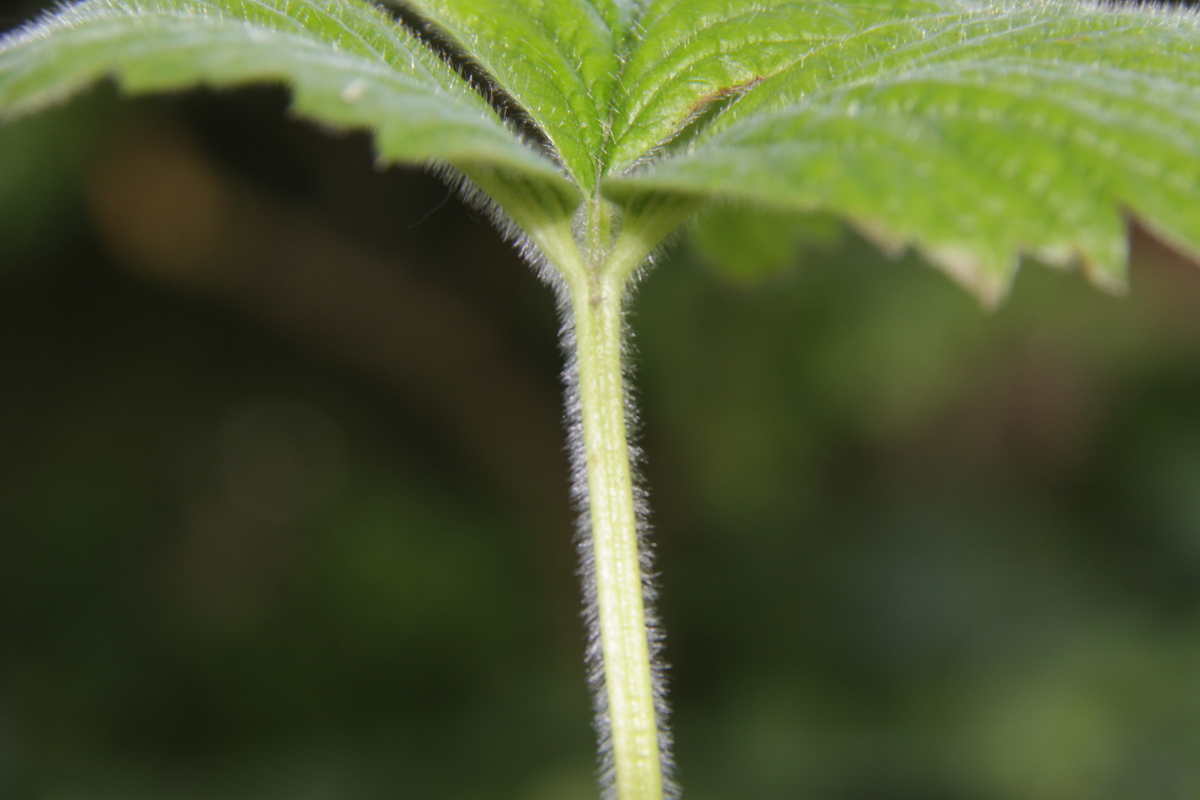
x,y
975,132
348,64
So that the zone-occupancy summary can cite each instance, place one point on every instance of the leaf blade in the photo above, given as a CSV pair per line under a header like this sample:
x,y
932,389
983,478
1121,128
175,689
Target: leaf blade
x,y
557,59
977,134
693,53
348,65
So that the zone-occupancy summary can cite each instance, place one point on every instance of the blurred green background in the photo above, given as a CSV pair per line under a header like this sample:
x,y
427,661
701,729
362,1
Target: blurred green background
x,y
283,499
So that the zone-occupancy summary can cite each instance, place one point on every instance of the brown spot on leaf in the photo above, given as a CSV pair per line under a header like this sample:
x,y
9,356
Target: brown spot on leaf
x,y
722,93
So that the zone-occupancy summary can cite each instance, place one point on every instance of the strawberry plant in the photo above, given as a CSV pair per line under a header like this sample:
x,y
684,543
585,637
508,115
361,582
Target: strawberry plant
x,y
591,130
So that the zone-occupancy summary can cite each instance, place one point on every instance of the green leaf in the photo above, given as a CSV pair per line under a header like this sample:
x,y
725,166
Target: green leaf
x,y
695,54
557,59
974,132
348,64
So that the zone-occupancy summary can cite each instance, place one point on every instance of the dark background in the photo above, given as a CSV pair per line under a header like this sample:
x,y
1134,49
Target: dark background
x,y
283,499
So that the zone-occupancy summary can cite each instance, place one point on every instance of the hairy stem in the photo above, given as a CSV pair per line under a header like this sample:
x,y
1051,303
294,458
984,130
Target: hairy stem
x,y
632,719
591,254
597,268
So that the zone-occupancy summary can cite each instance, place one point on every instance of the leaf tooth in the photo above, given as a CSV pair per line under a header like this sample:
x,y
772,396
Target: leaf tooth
x,y
988,276
1107,271
988,273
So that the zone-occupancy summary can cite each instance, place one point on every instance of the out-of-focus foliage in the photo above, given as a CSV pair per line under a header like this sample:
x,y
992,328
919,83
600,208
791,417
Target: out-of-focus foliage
x,y
910,550
950,551
750,244
43,157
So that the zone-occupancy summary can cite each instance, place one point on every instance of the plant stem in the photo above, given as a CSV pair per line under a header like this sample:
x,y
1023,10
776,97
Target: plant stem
x,y
593,264
616,557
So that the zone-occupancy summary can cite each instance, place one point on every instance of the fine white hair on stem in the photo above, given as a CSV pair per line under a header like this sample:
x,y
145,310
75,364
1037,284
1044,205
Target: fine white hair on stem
x,y
573,419
593,652
655,633
587,572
